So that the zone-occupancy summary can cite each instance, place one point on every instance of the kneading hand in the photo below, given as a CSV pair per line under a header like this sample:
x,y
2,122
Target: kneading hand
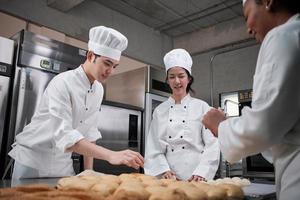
x,y
196,178
212,119
127,157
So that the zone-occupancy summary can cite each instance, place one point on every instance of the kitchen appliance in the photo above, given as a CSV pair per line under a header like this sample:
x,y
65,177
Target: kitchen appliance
x,y
145,88
256,166
157,91
121,127
6,70
38,60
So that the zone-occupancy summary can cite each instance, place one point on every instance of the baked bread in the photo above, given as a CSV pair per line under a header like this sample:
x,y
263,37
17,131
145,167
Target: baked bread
x,y
191,191
106,189
75,183
128,192
164,193
232,191
212,192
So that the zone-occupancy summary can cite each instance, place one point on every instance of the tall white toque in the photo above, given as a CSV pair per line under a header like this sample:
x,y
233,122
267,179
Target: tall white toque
x,y
107,42
178,58
244,1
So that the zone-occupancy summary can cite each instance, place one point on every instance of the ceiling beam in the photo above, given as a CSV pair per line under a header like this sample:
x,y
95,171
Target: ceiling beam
x,y
63,5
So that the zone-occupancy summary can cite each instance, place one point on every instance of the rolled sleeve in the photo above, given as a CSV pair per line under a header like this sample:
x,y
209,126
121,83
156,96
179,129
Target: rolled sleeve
x,y
68,140
93,134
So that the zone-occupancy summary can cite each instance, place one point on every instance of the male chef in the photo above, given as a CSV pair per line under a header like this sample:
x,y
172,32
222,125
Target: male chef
x,y
67,117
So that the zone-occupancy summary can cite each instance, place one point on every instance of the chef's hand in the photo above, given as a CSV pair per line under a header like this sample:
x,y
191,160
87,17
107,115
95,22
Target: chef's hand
x,y
196,178
127,157
169,175
212,119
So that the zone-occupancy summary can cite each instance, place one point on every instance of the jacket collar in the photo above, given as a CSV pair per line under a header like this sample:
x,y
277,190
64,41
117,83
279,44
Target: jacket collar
x,y
294,17
184,100
83,77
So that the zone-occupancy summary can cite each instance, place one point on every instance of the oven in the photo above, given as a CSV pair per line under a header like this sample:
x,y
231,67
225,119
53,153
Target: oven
x,y
256,166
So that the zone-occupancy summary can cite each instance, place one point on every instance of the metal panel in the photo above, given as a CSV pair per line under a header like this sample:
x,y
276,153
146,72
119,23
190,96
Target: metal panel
x,y
120,129
4,86
32,85
151,102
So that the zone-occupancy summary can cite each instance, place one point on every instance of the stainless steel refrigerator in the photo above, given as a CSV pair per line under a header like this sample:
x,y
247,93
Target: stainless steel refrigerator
x,y
120,126
38,60
6,70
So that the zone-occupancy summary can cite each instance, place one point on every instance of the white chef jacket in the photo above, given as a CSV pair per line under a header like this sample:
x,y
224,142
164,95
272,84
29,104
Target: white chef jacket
x,y
274,119
178,141
67,113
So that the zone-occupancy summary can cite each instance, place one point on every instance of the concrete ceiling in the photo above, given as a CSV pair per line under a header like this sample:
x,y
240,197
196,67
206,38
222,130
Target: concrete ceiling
x,y
177,17
171,17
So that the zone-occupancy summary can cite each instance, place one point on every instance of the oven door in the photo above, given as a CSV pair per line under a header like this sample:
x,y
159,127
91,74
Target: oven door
x,y
151,102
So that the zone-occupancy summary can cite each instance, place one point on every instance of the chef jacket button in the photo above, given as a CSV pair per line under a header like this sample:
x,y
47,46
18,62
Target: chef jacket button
x,y
172,150
184,106
181,136
202,151
170,137
171,106
183,121
80,121
182,147
170,120
86,108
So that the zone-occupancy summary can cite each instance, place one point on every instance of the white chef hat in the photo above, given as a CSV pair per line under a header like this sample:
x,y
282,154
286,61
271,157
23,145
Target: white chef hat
x,y
244,1
107,42
178,58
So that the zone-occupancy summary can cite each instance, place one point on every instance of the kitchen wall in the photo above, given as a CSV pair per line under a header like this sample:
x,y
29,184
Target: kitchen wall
x,y
233,66
232,71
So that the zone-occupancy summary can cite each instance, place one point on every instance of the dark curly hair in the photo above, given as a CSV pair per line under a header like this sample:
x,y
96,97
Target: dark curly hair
x,y
292,6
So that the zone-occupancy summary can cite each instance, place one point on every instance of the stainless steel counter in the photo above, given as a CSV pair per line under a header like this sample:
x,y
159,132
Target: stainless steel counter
x,y
13,183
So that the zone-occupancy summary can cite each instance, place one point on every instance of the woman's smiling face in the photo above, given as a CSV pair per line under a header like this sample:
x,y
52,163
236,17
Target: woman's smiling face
x,y
178,80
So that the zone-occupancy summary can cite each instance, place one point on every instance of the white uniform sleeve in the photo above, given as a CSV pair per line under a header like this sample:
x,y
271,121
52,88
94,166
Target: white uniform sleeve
x,y
210,157
61,112
275,104
155,160
93,134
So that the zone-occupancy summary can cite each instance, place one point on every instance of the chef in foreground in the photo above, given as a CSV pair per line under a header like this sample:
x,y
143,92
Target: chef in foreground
x,y
67,117
178,146
273,122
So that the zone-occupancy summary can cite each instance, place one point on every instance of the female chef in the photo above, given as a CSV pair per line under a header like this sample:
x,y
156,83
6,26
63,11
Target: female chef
x,y
274,119
178,146
67,117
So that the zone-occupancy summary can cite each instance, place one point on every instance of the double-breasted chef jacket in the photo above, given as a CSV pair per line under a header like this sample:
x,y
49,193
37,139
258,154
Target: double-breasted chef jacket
x,y
178,141
274,119
67,113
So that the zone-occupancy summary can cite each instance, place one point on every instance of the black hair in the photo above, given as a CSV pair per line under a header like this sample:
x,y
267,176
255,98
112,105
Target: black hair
x,y
292,6
191,80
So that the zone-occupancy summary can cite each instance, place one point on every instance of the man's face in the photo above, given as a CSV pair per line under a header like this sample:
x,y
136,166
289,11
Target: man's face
x,y
102,67
258,18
